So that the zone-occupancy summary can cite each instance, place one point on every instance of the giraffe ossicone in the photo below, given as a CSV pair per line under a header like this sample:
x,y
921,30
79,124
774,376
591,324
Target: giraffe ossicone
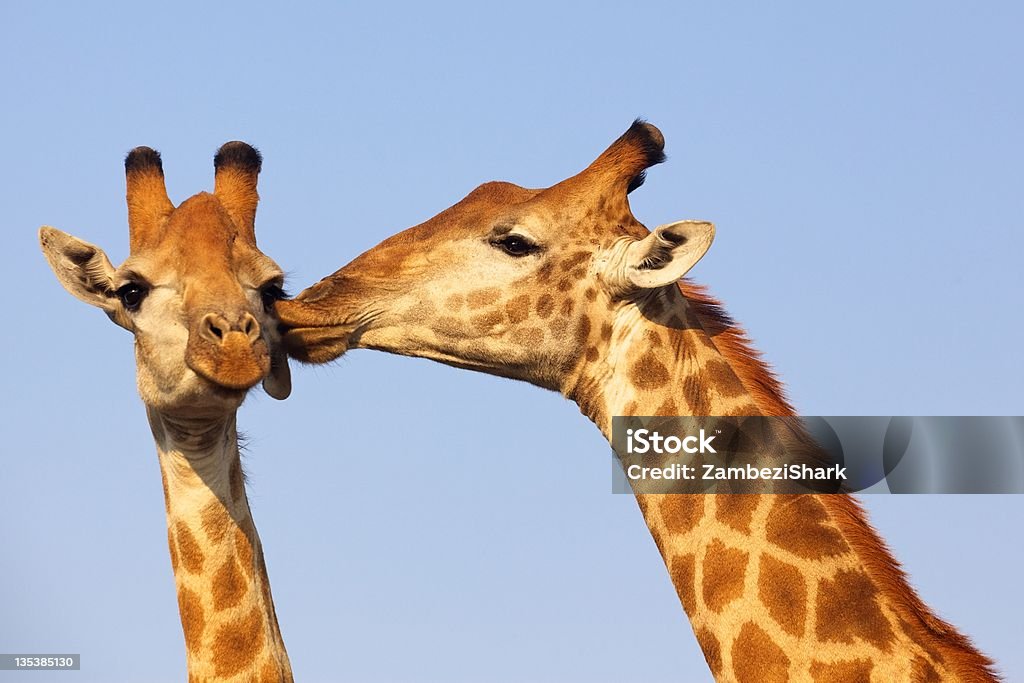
x,y
198,294
562,287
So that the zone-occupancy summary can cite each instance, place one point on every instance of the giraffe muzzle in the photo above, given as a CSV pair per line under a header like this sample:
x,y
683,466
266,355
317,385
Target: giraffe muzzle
x,y
229,353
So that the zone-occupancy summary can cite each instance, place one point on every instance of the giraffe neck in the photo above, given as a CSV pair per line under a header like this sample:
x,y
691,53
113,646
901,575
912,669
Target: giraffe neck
x,y
777,588
227,613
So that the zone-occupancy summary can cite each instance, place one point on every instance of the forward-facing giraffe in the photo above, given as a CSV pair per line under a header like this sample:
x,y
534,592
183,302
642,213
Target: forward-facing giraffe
x,y
565,289
198,295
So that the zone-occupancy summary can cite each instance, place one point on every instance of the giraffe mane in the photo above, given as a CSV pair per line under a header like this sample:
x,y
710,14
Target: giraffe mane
x,y
733,343
770,396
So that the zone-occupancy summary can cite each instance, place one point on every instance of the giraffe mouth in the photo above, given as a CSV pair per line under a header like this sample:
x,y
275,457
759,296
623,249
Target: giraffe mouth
x,y
317,344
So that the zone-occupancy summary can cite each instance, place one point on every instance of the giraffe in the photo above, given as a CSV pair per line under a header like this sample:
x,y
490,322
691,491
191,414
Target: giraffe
x,y
197,294
563,288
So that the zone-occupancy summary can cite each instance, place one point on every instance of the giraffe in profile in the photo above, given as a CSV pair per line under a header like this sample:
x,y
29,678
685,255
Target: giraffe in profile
x,y
197,294
563,288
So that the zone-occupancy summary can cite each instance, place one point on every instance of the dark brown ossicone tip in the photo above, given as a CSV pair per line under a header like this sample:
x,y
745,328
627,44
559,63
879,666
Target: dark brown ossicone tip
x,y
238,155
646,137
143,159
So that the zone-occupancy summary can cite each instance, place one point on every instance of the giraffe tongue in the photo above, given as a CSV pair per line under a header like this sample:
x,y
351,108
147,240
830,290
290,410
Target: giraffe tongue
x,y
278,382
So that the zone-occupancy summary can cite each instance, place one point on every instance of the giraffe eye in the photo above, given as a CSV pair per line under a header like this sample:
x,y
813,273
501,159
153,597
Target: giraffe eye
x,y
515,245
131,295
271,292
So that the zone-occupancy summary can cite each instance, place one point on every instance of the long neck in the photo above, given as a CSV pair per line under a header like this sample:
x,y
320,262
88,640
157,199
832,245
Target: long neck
x,y
776,587
227,613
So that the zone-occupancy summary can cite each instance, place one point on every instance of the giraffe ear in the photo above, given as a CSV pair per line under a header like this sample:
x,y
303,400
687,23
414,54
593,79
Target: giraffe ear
x,y
667,254
84,270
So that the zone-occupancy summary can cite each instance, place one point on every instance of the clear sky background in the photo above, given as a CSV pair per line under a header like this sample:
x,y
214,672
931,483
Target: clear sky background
x,y
862,164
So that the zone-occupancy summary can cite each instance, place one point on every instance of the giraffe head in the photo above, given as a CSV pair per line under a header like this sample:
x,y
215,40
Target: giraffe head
x,y
501,280
195,290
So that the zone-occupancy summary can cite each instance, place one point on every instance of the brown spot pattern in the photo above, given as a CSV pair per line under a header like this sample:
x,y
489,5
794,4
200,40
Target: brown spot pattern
x,y
545,306
847,610
653,339
244,550
648,372
228,586
238,643
518,308
857,671
756,659
485,322
712,650
667,408
696,394
483,297
719,374
592,354
783,592
192,620
454,302
574,260
447,326
172,543
724,569
682,573
800,524
189,552
215,521
736,511
582,330
681,513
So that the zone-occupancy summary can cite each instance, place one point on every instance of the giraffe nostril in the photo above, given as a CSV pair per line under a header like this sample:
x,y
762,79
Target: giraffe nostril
x,y
250,327
213,327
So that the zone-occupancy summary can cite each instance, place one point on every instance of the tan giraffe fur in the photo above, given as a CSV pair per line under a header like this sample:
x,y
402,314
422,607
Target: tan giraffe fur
x,y
197,293
565,289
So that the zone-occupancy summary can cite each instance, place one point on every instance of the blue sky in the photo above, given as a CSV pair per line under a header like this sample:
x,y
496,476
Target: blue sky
x,y
862,165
